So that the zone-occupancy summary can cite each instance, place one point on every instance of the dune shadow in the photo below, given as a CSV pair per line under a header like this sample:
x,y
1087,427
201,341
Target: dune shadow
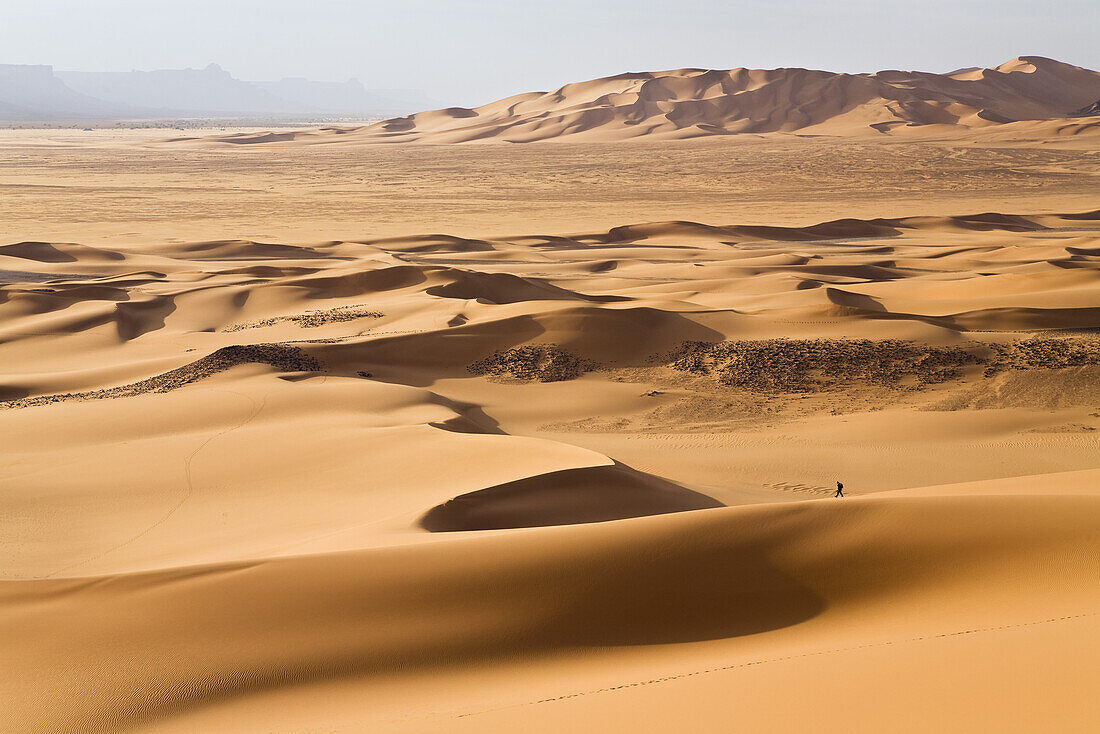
x,y
706,589
666,589
854,300
469,418
568,497
501,288
43,252
134,318
11,392
867,307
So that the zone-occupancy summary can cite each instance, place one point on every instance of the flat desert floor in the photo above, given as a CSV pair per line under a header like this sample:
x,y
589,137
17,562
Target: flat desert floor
x,y
545,437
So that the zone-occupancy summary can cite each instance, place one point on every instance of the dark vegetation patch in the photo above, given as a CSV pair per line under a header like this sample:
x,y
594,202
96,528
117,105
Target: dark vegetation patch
x,y
542,362
280,356
313,319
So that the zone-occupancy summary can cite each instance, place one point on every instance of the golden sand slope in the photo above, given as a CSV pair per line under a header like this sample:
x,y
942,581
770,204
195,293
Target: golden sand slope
x,y
256,486
690,103
696,617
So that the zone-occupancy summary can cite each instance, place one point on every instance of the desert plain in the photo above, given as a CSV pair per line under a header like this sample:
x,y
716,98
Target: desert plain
x,y
325,433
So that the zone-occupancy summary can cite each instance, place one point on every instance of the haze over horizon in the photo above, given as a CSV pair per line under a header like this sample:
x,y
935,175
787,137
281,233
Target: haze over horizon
x,y
491,49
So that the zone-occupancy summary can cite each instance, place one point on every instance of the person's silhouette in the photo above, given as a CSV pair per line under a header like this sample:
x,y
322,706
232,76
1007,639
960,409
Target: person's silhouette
x,y
839,490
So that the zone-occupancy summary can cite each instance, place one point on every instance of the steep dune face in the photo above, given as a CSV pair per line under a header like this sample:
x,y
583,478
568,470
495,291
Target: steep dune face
x,y
689,103
591,494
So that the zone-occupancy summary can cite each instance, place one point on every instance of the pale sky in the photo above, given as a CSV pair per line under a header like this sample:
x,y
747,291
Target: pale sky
x,y
467,52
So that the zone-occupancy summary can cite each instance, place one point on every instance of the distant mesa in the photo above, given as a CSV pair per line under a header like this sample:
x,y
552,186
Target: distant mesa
x,y
40,94
693,103
36,93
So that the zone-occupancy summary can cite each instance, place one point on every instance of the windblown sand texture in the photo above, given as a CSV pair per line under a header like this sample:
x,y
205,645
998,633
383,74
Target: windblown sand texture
x,y
538,474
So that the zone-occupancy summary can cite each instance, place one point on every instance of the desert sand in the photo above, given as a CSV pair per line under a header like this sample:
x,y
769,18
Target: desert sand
x,y
303,437
1029,96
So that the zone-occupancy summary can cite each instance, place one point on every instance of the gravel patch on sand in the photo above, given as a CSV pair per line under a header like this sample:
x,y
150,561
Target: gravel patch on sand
x,y
280,356
313,319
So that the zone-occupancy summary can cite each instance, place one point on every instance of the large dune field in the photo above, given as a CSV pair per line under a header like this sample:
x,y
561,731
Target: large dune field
x,y
499,438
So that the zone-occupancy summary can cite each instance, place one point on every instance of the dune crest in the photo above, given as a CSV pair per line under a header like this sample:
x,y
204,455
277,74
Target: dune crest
x,y
591,494
692,103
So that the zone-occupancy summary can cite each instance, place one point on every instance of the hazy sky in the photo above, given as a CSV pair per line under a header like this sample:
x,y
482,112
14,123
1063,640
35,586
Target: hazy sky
x,y
472,51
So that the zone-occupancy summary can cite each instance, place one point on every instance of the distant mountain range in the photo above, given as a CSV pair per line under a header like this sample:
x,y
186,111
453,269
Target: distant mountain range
x,y
38,93
1027,95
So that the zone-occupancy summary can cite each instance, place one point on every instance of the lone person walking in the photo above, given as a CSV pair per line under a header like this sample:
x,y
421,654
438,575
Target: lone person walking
x,y
839,490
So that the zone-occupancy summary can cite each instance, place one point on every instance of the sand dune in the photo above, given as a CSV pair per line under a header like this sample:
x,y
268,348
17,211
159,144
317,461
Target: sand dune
x,y
141,648
523,447
44,252
688,103
593,494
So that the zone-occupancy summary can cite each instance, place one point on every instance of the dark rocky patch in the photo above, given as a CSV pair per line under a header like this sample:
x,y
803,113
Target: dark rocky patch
x,y
280,356
542,362
313,319
1041,352
806,365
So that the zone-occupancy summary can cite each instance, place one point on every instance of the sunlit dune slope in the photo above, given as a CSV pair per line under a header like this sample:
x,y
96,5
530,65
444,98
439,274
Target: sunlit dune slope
x,y
687,103
543,482
119,651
